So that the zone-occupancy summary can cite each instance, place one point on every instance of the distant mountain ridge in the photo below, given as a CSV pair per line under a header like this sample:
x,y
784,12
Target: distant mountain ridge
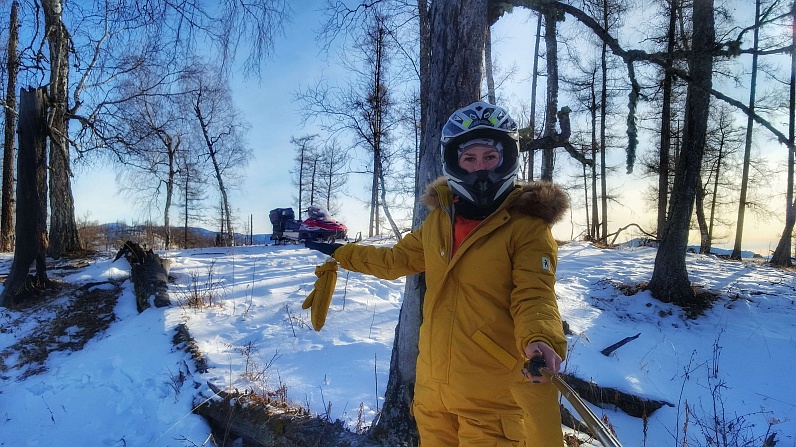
x,y
109,235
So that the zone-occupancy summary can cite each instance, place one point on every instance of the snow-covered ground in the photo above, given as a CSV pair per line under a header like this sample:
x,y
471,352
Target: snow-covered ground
x,y
125,387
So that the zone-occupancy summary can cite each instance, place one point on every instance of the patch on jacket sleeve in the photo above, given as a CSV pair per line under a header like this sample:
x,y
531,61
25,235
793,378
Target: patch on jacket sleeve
x,y
546,263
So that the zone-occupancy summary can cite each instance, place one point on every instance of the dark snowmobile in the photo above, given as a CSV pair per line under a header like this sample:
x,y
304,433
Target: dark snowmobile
x,y
319,226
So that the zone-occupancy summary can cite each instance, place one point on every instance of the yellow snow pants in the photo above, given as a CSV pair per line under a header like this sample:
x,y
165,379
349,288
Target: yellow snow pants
x,y
446,418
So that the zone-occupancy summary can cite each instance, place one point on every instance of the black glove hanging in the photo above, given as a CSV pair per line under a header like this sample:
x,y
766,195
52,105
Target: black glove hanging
x,y
322,247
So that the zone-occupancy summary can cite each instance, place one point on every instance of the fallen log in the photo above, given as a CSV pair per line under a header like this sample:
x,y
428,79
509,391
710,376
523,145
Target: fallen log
x,y
632,405
258,422
150,275
262,420
183,339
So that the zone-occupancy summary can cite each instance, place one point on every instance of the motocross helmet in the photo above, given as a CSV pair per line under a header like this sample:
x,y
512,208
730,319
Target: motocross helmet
x,y
476,121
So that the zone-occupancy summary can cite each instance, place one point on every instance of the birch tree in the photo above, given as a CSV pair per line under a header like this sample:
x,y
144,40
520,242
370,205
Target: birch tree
x,y
306,155
364,110
64,237
221,128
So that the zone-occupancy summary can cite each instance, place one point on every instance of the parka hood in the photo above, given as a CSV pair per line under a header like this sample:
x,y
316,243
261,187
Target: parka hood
x,y
541,199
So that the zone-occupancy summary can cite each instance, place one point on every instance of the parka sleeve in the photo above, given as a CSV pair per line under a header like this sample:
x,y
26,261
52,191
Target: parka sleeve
x,y
403,258
533,301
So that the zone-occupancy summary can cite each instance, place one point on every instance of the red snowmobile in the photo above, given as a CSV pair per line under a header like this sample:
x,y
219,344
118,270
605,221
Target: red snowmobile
x,y
319,226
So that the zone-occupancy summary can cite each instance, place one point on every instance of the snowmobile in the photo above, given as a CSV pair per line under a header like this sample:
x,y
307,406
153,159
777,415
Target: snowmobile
x,y
319,226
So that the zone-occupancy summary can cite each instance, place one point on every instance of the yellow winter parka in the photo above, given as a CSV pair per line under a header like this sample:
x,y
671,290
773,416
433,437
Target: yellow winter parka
x,y
487,301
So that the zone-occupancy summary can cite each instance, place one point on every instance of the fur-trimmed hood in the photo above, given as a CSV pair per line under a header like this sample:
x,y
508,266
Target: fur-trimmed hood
x,y
544,200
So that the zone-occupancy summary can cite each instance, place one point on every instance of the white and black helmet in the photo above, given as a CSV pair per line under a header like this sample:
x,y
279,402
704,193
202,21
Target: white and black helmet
x,y
480,120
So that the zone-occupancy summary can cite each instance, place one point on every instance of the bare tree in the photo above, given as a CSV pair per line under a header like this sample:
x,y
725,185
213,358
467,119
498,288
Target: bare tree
x,y
532,132
364,110
782,254
64,237
104,47
221,128
191,183
333,175
12,67
306,155
666,118
669,281
736,250
611,12
151,131
718,173
595,86
488,71
551,45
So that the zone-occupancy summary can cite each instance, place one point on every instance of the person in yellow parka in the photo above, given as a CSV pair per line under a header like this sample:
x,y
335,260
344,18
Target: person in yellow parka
x,y
490,305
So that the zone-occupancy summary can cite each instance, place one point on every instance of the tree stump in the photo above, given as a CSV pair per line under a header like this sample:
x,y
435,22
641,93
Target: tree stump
x,y
150,275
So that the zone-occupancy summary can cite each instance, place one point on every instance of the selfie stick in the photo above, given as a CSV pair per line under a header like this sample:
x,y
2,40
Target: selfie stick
x,y
601,432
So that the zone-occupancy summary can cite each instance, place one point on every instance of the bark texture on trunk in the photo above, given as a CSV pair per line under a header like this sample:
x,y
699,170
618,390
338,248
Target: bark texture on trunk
x,y
783,253
31,225
670,281
63,228
12,65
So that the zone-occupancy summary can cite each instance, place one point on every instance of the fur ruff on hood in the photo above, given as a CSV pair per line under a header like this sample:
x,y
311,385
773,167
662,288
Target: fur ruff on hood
x,y
544,200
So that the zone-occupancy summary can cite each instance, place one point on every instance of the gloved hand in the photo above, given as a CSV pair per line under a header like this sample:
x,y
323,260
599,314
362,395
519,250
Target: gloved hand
x,y
321,296
322,247
541,355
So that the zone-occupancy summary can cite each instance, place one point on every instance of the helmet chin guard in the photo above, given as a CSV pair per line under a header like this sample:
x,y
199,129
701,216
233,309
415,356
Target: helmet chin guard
x,y
481,188
480,120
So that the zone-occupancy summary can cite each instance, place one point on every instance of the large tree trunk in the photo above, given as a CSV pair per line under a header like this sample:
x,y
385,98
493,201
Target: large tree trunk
x,y
454,81
669,281
12,64
736,249
31,226
782,254
150,276
64,236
